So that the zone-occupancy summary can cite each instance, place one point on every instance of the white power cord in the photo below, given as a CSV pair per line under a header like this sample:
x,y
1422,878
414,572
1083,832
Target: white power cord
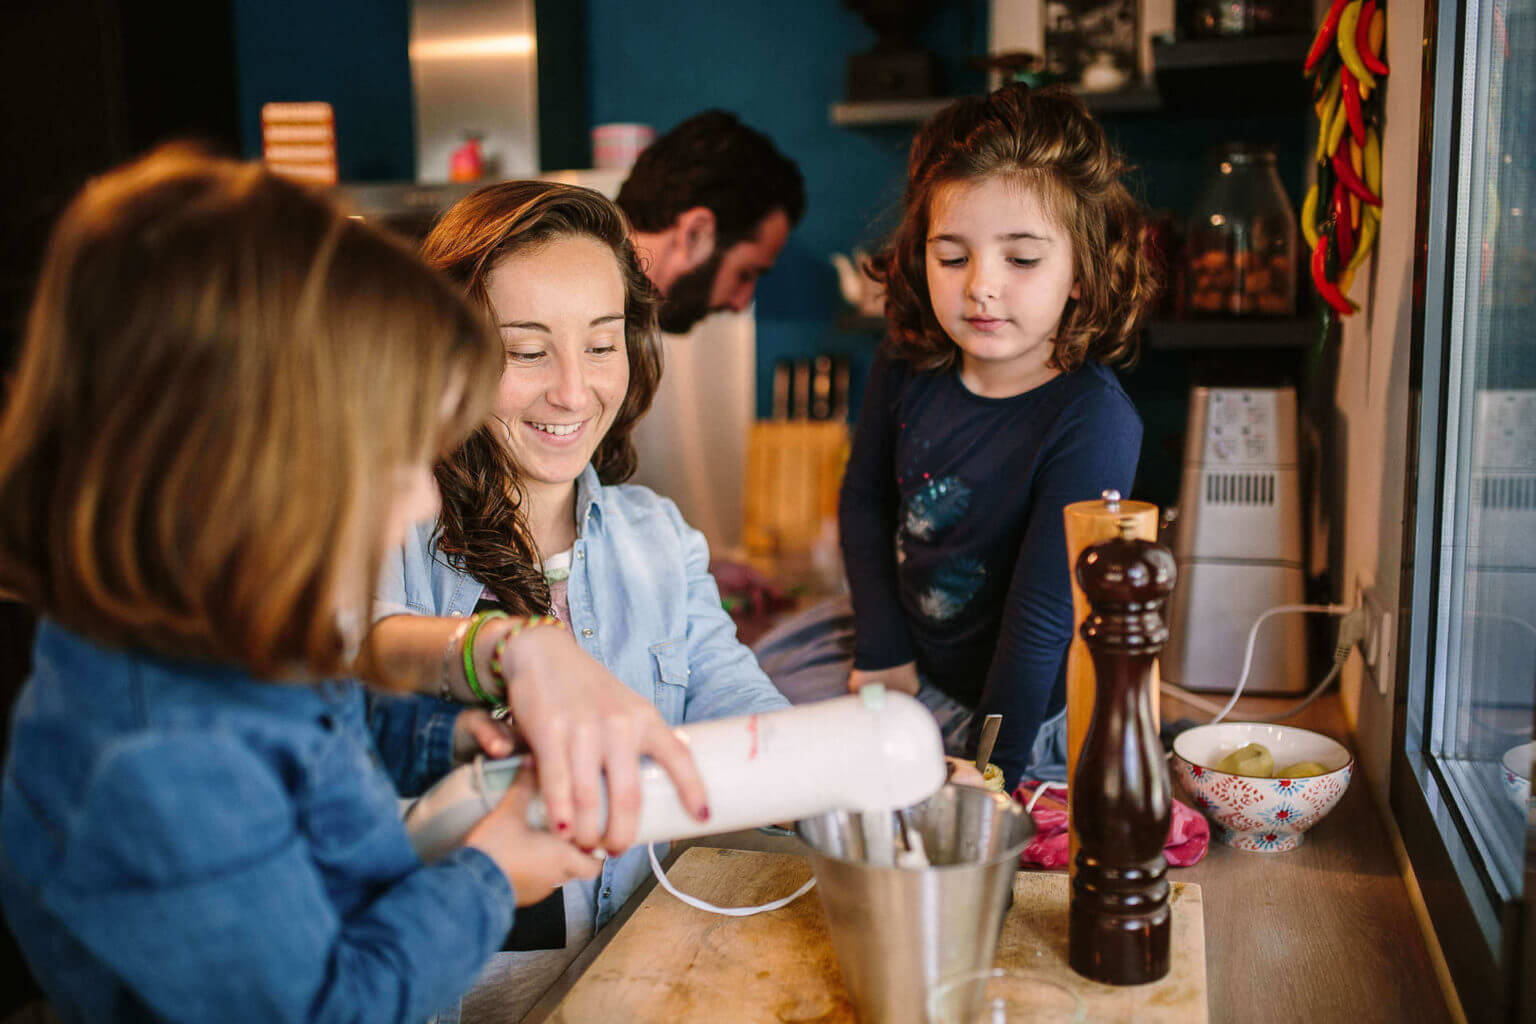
x,y
1350,631
695,902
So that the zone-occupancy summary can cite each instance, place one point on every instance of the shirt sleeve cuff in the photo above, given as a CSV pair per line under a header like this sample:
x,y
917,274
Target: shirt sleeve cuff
x,y
436,740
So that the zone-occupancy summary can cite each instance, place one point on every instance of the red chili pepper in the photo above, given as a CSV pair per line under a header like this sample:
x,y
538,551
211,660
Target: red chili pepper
x,y
1363,39
1350,180
1325,288
1352,109
1325,35
1343,231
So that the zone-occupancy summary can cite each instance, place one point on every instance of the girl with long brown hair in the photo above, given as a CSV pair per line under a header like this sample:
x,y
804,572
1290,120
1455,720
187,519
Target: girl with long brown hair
x,y
1016,280
228,404
536,519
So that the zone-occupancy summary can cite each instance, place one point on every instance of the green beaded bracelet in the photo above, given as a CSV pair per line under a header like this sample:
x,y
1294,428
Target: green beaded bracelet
x,y
470,675
499,651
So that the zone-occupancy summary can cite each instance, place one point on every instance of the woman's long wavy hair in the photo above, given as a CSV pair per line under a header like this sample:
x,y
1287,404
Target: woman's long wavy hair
x,y
1047,140
483,522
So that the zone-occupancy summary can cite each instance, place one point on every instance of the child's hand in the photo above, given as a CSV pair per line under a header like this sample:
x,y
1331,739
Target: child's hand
x,y
901,678
535,862
964,773
475,731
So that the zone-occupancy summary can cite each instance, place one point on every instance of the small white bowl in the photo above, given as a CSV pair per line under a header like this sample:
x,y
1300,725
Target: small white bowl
x,y
1517,774
1261,815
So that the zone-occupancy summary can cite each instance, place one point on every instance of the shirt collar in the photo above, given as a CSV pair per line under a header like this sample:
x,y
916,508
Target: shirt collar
x,y
589,498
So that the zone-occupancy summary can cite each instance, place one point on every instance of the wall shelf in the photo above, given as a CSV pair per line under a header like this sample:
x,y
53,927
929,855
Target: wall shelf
x,y
1137,99
1233,333
1206,54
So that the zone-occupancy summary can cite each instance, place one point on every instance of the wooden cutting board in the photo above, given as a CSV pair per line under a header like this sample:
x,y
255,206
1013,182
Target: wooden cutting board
x,y
672,963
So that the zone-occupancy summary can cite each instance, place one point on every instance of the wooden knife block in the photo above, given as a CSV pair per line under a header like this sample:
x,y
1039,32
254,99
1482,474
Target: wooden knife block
x,y
794,471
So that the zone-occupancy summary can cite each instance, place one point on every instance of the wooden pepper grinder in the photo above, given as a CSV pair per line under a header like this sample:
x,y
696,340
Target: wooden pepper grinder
x,y
1087,523
1119,921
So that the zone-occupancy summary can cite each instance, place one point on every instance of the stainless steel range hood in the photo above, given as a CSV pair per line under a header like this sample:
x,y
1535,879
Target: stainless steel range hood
x,y
474,67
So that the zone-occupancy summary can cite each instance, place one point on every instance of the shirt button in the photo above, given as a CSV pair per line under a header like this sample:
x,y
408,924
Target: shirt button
x,y
607,893
580,554
587,632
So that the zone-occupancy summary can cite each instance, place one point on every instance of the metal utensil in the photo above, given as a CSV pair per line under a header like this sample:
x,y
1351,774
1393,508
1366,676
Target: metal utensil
x,y
989,728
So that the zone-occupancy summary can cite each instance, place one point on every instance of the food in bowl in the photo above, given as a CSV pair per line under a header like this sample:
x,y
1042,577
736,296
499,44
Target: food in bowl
x,y
1256,813
1257,762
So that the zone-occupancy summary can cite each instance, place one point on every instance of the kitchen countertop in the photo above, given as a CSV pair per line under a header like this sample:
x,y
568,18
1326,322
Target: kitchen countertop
x,y
1324,932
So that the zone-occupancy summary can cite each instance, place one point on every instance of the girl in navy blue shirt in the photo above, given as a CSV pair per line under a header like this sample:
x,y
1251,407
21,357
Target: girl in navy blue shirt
x,y
1016,279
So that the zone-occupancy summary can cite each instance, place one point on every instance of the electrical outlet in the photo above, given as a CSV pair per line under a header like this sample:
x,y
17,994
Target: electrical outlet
x,y
1377,645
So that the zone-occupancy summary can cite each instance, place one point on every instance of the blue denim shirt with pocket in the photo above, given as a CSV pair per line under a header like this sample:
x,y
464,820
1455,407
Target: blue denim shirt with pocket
x,y
181,841
642,602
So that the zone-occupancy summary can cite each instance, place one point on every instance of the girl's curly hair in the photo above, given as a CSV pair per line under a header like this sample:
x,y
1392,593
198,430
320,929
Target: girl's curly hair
x,y
1049,141
483,522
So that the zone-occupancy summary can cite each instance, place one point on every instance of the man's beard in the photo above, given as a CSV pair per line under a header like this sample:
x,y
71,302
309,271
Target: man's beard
x,y
687,301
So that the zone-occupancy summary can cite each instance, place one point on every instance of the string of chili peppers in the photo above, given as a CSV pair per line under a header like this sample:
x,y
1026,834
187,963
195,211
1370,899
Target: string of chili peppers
x,y
1341,214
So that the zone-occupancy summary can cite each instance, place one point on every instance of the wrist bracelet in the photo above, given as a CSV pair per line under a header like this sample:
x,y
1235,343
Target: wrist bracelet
x,y
498,653
444,691
470,675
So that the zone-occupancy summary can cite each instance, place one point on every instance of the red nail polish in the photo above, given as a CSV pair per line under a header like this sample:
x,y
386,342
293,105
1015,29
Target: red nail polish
x,y
704,813
561,826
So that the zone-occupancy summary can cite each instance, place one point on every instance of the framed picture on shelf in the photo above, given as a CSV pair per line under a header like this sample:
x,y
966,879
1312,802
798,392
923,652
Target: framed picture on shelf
x,y
1092,44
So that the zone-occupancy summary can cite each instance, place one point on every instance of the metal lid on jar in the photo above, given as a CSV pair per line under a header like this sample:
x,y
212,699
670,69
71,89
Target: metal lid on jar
x,y
1245,153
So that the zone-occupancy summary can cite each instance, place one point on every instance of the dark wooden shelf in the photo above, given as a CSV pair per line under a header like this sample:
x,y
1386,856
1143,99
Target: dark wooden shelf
x,y
1233,333
1140,98
1204,333
1206,54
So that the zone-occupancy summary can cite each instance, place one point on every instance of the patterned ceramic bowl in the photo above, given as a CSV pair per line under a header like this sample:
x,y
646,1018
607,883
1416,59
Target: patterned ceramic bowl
x,y
1517,774
1261,815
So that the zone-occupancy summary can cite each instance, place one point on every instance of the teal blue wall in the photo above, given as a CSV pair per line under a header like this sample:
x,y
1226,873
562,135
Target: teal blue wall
x,y
778,66
349,53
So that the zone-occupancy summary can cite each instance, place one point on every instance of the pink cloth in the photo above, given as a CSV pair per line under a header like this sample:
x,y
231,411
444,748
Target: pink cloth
x,y
1189,835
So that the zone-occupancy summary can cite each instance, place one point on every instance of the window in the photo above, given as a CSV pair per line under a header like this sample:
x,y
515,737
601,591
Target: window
x,y
1467,691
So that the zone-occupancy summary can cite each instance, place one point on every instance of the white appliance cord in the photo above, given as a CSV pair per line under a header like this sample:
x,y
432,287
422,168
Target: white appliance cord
x,y
1253,635
693,901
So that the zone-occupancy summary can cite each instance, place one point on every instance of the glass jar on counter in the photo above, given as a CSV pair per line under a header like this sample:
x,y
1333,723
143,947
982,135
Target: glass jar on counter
x,y
1204,18
1240,247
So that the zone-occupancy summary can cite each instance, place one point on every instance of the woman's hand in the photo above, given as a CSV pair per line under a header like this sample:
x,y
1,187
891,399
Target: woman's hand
x,y
476,732
582,724
535,863
902,678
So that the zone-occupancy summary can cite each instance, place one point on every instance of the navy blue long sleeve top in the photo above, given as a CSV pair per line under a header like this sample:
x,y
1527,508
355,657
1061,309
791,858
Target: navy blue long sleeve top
x,y
953,537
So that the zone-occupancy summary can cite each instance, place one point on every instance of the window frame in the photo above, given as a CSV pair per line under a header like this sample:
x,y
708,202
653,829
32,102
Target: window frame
x,y
1478,927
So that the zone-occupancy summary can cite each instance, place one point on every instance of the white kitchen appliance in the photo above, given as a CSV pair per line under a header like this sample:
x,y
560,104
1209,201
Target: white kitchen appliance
x,y
871,751
1238,544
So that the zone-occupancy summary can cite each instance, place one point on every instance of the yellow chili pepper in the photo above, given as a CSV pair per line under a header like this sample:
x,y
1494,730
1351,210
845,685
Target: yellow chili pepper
x,y
1369,226
1373,160
1349,21
1378,30
1336,131
1330,96
1309,217
1333,106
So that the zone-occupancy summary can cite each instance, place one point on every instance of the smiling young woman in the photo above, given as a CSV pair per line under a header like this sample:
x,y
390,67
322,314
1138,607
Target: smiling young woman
x,y
536,518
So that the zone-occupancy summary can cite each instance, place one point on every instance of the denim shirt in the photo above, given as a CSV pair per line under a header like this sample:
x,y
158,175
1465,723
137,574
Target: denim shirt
x,y
642,602
180,841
